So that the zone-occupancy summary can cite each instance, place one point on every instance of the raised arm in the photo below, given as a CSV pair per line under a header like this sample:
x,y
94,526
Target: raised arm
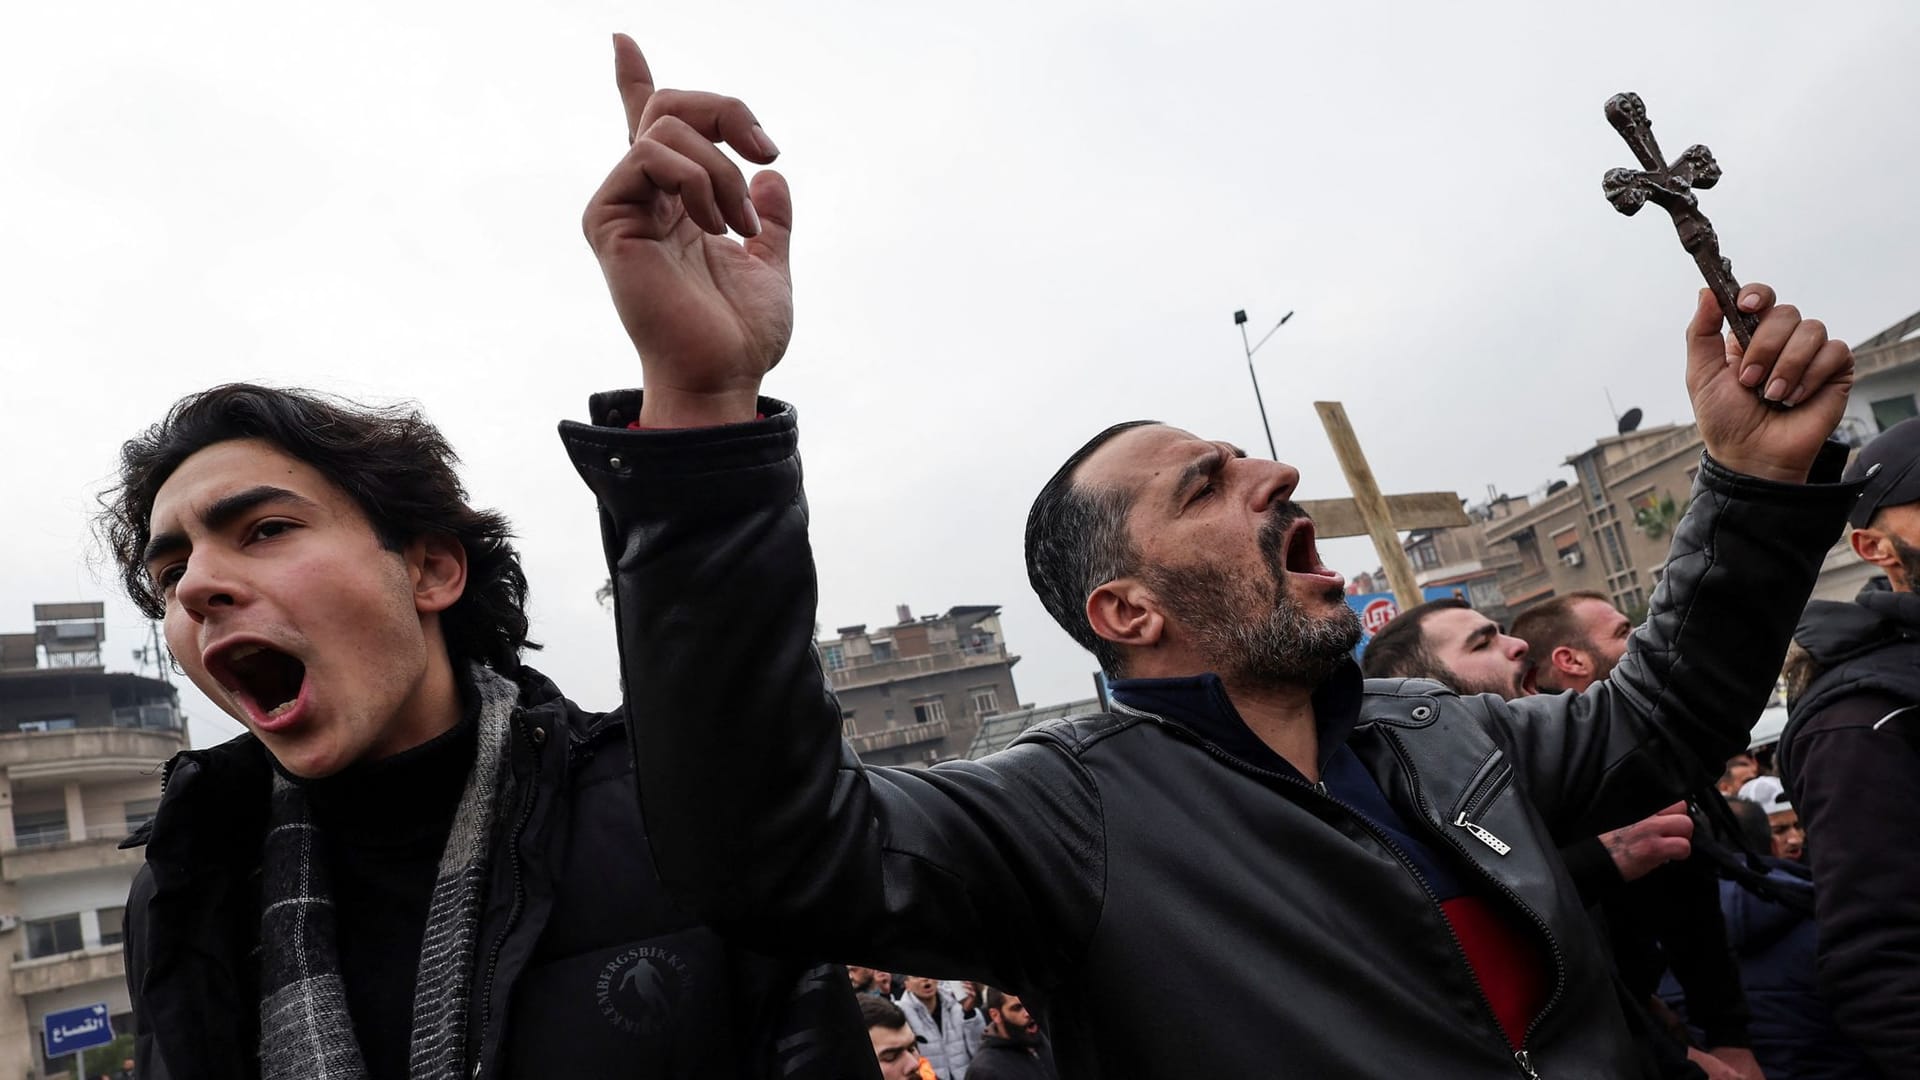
x,y
760,819
1743,562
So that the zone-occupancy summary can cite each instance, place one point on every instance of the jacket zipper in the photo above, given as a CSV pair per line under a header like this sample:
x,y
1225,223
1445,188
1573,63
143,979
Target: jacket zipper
x,y
513,911
1520,1056
1480,833
1487,786
1497,774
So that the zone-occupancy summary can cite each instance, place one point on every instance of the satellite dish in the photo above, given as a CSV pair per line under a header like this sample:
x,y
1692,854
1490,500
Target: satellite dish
x,y
1556,487
1630,421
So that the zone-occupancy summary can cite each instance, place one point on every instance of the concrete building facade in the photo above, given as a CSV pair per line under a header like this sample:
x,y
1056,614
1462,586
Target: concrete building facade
x,y
81,751
914,693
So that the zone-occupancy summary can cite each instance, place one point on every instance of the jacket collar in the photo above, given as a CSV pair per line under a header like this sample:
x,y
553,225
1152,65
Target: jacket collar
x,y
1199,705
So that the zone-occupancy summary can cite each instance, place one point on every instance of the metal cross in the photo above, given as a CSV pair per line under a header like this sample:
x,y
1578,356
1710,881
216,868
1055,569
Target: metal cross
x,y
1671,187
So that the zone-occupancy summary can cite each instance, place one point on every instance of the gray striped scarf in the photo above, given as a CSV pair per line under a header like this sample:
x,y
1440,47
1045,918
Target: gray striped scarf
x,y
305,1033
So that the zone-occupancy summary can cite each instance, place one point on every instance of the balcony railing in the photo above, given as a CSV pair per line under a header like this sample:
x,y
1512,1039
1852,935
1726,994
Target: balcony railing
x,y
904,735
47,838
99,847
906,667
134,751
1665,447
64,970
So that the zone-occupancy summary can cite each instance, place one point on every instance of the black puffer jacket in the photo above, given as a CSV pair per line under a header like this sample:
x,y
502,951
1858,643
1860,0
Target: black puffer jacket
x,y
1851,755
572,900
1180,911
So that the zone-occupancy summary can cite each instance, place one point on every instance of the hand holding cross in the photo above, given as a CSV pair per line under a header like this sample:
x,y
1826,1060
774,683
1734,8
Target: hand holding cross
x,y
1671,188
1801,378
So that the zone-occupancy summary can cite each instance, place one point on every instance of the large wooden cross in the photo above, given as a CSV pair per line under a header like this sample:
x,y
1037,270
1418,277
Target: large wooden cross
x,y
1671,188
1370,513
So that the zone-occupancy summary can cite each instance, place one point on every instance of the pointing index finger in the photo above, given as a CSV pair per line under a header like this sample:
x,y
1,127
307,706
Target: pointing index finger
x,y
635,79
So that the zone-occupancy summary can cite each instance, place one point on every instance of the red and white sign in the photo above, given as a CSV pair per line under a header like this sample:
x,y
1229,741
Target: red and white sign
x,y
1377,614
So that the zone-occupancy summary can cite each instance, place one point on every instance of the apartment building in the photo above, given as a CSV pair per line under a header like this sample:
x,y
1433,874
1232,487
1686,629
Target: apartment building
x,y
914,693
80,756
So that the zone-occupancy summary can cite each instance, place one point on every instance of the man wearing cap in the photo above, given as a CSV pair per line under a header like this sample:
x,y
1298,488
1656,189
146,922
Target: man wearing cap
x,y
1788,840
1851,758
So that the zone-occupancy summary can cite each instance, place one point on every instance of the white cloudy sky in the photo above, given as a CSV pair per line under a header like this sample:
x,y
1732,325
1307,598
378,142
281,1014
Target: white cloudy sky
x,y
1017,222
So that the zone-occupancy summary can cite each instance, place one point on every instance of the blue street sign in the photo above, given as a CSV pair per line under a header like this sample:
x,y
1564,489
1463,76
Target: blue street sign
x,y
70,1031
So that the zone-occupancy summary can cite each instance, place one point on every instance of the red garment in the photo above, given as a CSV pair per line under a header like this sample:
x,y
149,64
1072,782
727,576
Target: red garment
x,y
1508,964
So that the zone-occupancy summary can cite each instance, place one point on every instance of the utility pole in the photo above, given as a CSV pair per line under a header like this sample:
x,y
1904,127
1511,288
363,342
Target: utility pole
x,y
1240,320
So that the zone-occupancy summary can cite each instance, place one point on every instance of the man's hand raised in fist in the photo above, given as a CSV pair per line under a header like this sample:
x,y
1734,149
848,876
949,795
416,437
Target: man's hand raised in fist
x,y
709,315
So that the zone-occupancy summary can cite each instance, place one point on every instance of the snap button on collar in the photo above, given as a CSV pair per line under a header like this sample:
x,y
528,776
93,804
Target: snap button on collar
x,y
1421,712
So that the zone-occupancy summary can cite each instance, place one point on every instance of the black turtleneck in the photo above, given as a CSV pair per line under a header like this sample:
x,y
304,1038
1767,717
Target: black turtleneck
x,y
384,825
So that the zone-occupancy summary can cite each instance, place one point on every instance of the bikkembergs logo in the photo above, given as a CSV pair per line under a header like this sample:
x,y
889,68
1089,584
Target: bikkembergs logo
x,y
640,989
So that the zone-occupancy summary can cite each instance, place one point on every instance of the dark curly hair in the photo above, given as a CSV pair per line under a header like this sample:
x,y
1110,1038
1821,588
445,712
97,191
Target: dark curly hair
x,y
393,463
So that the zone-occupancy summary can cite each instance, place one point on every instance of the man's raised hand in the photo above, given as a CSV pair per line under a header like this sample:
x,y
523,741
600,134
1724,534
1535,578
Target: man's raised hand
x,y
1790,361
710,316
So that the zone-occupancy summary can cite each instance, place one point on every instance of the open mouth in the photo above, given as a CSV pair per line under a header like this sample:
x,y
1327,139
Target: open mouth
x,y
1300,556
267,680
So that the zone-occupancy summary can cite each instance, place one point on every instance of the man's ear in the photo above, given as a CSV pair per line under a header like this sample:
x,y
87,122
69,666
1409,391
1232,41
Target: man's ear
x,y
437,564
1571,661
1873,546
1122,611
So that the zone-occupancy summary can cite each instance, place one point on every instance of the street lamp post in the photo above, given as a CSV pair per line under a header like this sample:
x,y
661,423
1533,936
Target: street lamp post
x,y
1240,320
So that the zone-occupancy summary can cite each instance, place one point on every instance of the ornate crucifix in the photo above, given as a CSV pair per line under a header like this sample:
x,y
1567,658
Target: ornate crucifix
x,y
1671,188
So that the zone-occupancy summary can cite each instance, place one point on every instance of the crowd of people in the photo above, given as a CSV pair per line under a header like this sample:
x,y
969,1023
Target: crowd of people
x,y
934,1030
423,861
1712,915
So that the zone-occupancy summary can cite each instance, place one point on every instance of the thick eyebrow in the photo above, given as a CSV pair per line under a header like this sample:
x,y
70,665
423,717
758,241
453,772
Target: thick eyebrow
x,y
221,514
1484,632
1201,468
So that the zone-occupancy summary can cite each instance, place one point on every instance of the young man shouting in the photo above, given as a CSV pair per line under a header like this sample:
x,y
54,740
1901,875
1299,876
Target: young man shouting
x,y
422,861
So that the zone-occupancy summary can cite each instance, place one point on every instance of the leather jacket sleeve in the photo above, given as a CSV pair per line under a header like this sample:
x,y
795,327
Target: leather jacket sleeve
x,y
761,820
1696,674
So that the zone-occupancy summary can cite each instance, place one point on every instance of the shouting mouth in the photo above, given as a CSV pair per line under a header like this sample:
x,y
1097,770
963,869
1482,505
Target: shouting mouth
x,y
1300,558
269,683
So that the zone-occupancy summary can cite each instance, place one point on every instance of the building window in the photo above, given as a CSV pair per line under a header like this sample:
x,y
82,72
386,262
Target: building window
x,y
141,811
1890,411
113,922
836,657
882,650
986,700
847,728
41,829
929,710
51,937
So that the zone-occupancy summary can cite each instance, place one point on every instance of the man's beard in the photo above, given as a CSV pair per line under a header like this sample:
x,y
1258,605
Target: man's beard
x,y
1466,687
1909,560
1020,1036
1284,646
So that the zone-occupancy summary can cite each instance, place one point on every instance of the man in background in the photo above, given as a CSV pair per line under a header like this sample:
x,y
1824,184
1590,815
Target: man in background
x,y
895,1047
1013,1048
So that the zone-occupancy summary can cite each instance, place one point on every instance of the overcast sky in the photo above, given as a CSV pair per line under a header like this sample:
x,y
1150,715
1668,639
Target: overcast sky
x,y
1016,223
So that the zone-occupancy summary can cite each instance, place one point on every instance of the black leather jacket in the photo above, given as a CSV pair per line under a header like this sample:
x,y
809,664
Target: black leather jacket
x,y
1851,757
572,899
1177,911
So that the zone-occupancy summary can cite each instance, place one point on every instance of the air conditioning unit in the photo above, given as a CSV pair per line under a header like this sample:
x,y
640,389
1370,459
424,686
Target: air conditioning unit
x,y
1571,558
9,923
